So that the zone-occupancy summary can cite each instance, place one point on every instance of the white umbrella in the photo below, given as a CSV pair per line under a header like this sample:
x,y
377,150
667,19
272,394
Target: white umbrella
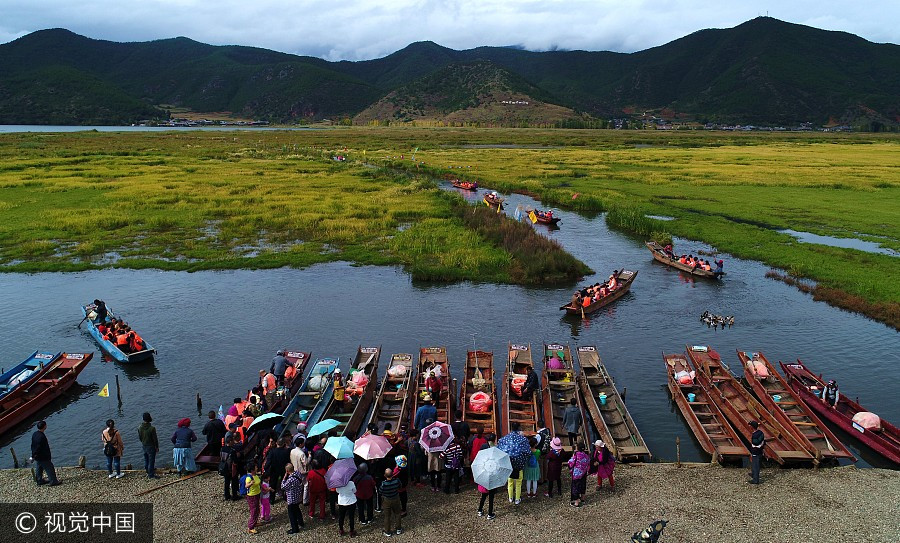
x,y
491,468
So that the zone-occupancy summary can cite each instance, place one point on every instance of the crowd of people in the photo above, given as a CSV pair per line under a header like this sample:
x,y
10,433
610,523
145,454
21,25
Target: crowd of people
x,y
695,262
594,293
116,331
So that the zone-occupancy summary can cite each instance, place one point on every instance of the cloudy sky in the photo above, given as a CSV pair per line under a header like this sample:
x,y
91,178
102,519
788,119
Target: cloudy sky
x,y
364,29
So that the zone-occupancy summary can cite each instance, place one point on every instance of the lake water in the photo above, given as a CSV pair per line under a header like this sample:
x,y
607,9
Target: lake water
x,y
214,330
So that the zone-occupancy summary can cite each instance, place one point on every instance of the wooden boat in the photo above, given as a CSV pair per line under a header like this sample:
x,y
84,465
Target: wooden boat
x,y
741,408
282,398
660,256
351,414
24,372
558,389
513,407
445,404
793,414
312,398
809,388
610,415
57,378
108,347
466,185
395,395
479,377
493,201
538,216
709,425
626,278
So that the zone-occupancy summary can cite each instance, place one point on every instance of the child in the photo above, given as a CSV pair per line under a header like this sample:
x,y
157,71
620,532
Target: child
x,y
418,464
514,486
401,473
489,496
252,484
265,505
532,469
554,467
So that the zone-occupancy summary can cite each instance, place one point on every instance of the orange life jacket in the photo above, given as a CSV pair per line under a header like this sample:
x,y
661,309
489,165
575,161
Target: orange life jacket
x,y
289,372
122,339
586,302
269,383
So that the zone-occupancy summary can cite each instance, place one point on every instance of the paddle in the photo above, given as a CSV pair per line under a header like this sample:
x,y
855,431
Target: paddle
x,y
82,321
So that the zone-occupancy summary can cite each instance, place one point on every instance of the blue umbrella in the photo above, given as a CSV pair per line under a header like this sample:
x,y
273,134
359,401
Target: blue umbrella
x,y
339,447
323,426
517,447
269,420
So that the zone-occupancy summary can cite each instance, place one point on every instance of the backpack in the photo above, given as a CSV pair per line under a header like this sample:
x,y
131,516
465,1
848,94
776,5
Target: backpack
x,y
109,448
225,462
544,446
243,488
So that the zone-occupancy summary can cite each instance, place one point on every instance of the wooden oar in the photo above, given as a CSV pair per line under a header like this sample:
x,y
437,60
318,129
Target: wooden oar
x,y
201,472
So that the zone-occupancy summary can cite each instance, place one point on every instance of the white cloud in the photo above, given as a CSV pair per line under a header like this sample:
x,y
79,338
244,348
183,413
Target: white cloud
x,y
365,29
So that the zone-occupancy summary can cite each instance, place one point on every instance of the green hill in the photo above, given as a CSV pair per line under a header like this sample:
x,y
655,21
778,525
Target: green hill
x,y
764,71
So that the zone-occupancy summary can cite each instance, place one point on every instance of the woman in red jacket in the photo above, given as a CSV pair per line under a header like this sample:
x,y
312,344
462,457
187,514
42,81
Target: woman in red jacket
x,y
317,489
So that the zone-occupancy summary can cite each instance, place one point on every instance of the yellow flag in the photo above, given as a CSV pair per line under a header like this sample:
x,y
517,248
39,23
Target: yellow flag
x,y
532,216
104,393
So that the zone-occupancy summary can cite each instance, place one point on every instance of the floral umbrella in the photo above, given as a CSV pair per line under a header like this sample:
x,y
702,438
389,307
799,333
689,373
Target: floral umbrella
x,y
436,437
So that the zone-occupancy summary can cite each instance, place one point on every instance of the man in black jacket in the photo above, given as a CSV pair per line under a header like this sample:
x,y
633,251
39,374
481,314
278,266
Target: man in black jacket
x,y
215,432
757,444
531,384
40,453
277,458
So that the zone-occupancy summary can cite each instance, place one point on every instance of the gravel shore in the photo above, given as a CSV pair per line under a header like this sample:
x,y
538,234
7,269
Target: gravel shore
x,y
703,504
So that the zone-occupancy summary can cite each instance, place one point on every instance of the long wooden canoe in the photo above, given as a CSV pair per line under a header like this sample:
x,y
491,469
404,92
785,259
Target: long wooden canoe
x,y
59,376
789,409
741,407
445,405
704,418
513,407
109,347
465,185
660,256
626,278
479,363
809,387
19,376
351,414
395,395
610,417
558,389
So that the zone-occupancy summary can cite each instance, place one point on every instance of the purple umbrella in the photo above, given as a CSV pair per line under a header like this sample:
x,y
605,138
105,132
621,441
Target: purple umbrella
x,y
340,472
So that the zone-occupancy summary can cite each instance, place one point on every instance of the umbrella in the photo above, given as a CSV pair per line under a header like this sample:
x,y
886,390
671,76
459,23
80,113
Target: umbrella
x,y
323,426
265,422
371,446
517,447
339,447
491,468
340,472
436,436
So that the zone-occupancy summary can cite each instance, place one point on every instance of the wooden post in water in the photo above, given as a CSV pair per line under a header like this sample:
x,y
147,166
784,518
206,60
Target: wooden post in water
x,y
624,391
82,460
453,390
199,405
715,457
15,460
678,451
118,390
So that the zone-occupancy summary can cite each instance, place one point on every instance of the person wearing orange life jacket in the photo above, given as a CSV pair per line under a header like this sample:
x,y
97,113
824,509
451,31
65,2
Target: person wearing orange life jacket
x,y
586,301
122,340
289,373
135,342
267,382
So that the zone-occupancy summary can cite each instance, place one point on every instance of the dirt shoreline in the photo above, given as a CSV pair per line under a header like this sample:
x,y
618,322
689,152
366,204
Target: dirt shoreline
x,y
703,504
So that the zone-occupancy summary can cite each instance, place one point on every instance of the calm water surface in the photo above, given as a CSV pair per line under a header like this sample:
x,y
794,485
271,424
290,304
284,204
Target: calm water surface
x,y
215,330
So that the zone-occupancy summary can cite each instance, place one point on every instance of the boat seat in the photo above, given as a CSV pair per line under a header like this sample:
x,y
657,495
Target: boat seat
x,y
698,403
730,450
786,403
804,423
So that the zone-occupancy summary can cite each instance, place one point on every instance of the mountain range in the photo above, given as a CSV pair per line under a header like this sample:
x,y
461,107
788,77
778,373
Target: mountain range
x,y
764,71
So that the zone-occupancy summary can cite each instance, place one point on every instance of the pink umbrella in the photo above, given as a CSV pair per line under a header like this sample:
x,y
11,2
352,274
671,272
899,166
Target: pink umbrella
x,y
436,436
372,446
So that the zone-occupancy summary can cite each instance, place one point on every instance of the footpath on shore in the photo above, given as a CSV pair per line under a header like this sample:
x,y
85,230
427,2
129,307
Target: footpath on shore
x,y
703,504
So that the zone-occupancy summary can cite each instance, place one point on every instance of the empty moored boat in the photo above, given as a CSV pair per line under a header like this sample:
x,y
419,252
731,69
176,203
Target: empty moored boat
x,y
395,394
607,409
